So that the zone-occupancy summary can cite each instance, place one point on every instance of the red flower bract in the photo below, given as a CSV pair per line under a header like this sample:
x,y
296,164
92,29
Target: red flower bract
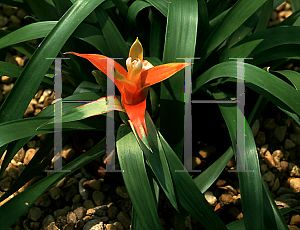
x,y
134,83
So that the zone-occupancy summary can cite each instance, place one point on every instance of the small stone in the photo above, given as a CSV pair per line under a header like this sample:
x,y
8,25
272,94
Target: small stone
x,y
80,212
62,212
47,220
34,225
118,225
269,160
263,149
76,198
206,151
220,182
34,214
43,201
29,110
274,15
71,218
68,152
101,210
195,162
188,223
283,190
255,127
55,193
5,184
263,168
94,225
294,170
225,199
260,138
19,157
287,13
295,220
295,138
287,6
7,88
269,177
280,132
293,227
21,13
12,171
29,155
284,165
98,197
112,211
93,184
210,198
296,127
122,192
89,143
61,182
276,185
111,227
236,213
88,204
295,185
124,219
237,199
288,144
125,205
269,124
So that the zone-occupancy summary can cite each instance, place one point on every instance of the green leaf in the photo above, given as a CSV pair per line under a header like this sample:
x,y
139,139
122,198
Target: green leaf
x,y
43,9
295,5
257,79
180,42
265,16
37,66
161,5
188,194
136,179
292,76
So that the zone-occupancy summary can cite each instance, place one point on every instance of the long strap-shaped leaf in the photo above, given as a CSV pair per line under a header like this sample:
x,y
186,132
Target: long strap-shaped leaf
x,y
131,160
180,42
33,73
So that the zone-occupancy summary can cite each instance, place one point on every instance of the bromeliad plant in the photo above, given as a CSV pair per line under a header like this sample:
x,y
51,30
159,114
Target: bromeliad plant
x,y
217,30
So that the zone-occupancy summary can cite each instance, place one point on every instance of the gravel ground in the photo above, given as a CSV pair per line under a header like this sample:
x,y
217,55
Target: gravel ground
x,y
88,200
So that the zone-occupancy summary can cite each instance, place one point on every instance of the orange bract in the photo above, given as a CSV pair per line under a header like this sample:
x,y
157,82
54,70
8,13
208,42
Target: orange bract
x,y
134,84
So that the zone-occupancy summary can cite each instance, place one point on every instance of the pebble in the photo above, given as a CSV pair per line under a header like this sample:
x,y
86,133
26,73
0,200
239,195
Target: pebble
x,y
34,225
93,184
269,160
94,225
112,211
88,204
262,150
3,21
274,15
55,193
293,227
295,220
236,213
82,191
284,165
207,151
296,127
294,170
295,138
210,198
118,225
220,182
76,198
52,226
5,184
263,168
125,205
122,192
68,152
260,138
80,212
288,144
101,210
110,227
295,185
255,127
276,185
237,199
34,214
195,162
12,171
225,198
269,177
29,155
98,197
43,201
31,144
62,212
124,219
280,7
269,123
71,218
231,162
47,220
280,132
